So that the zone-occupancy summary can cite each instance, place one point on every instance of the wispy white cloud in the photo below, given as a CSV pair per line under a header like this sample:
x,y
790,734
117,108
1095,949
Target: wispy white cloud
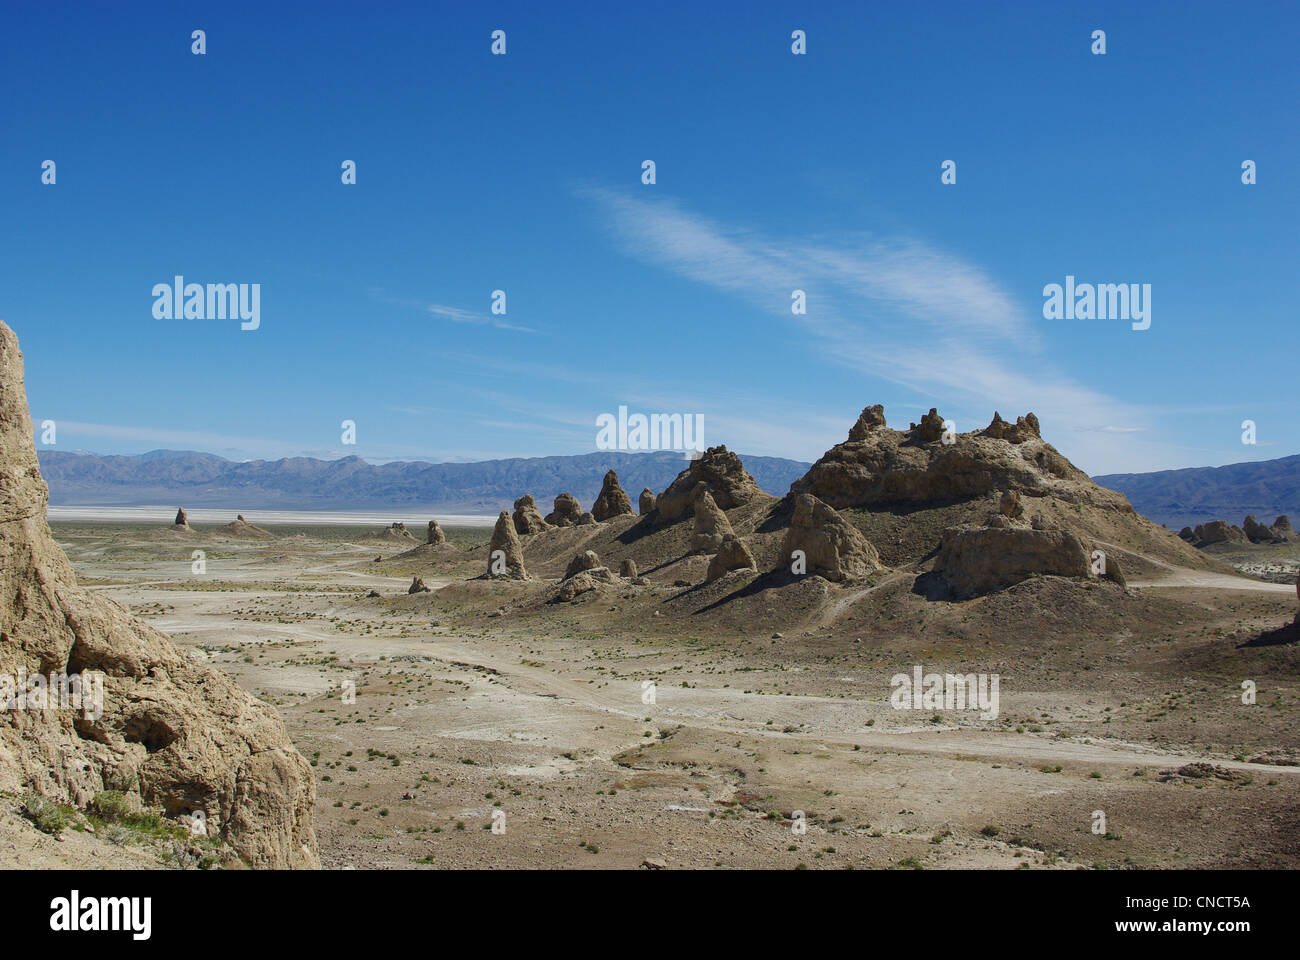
x,y
458,315
453,314
897,310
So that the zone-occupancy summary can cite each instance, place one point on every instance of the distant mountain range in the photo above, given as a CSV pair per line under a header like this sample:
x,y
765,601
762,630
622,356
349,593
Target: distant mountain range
x,y
189,479
1179,498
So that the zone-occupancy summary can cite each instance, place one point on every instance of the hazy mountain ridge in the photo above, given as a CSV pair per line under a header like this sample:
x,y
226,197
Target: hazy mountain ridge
x,y
1177,498
194,479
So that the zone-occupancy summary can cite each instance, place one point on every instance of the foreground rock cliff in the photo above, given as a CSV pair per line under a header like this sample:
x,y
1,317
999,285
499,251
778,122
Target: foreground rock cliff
x,y
185,737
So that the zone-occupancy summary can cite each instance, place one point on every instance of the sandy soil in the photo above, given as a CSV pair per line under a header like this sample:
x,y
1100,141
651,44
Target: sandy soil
x,y
482,701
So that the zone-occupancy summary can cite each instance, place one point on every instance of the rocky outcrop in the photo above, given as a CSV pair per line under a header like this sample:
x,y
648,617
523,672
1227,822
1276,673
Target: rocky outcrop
x,y
883,466
239,527
975,560
733,554
528,519
1187,534
567,511
647,501
819,541
434,534
1024,429
1256,532
871,418
505,552
586,519
176,733
1009,505
395,531
1219,531
182,519
721,471
711,524
1283,530
627,570
417,586
613,500
575,586
587,560
929,429
584,582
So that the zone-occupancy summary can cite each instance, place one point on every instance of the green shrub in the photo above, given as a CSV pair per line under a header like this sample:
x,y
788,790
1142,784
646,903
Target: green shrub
x,y
110,806
48,816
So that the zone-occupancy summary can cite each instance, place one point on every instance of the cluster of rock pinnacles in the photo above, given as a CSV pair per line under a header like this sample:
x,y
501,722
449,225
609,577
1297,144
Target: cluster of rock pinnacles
x,y
925,464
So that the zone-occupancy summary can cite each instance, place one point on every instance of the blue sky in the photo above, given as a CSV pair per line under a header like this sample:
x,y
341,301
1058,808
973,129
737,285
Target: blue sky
x,y
774,172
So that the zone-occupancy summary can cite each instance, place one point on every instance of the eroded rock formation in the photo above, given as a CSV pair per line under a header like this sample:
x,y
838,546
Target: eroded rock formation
x,y
567,511
829,545
587,560
528,519
181,735
975,560
733,554
711,524
613,500
869,419
505,552
721,471
878,465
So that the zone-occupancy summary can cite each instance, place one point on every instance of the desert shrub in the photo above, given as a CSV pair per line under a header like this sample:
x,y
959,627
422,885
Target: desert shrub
x,y
48,816
110,806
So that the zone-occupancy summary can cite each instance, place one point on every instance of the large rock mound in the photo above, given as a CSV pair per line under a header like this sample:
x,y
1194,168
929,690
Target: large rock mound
x,y
184,736
877,465
505,552
239,527
733,554
613,500
831,546
721,471
711,524
1218,531
528,519
567,511
975,559
395,532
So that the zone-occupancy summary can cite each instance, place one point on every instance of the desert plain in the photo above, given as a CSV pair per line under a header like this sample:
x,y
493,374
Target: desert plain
x,y
485,701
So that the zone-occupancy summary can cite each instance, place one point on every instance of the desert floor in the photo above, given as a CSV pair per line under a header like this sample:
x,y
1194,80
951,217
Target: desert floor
x,y
463,710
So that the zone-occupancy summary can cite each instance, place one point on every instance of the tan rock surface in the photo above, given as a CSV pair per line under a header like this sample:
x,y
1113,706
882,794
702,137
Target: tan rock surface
x,y
832,547
528,519
613,500
711,524
890,466
186,736
567,511
975,560
733,554
505,552
721,471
